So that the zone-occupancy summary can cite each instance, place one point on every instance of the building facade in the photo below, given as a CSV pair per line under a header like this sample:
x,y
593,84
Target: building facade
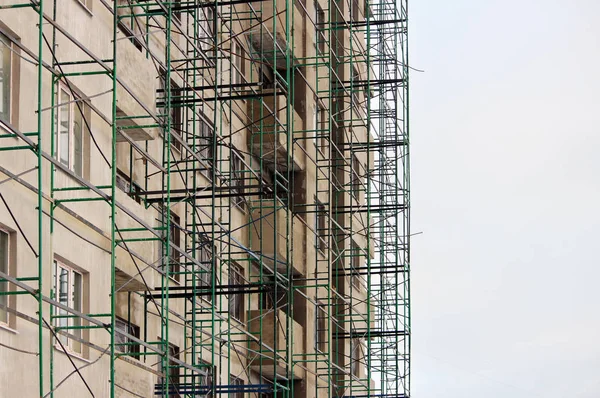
x,y
204,198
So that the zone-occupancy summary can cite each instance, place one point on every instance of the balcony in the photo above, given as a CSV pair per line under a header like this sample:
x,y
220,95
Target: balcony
x,y
140,77
126,272
270,238
269,40
270,328
270,131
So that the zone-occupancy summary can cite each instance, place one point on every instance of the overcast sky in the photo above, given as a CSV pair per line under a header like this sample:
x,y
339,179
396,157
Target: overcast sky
x,y
506,189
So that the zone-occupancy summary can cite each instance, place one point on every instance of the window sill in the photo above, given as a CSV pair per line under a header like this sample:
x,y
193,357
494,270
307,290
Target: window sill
x,y
4,326
70,353
87,10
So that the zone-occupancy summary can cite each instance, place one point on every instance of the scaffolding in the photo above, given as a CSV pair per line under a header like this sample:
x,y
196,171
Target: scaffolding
x,y
227,185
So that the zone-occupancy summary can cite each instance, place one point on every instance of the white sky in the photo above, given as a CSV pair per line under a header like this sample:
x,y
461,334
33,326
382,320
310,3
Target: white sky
x,y
506,189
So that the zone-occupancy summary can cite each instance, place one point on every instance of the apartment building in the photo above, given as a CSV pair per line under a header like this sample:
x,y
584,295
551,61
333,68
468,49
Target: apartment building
x,y
204,198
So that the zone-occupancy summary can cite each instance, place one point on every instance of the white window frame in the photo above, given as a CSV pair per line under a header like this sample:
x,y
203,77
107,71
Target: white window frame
x,y
73,109
85,5
237,64
67,342
206,29
6,40
6,298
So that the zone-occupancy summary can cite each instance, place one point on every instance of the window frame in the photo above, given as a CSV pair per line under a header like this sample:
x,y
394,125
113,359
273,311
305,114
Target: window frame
x,y
127,25
355,351
237,171
6,318
355,91
319,29
321,226
66,341
237,381
7,41
131,348
356,182
73,111
173,257
355,261
209,378
238,69
206,149
321,330
84,4
207,30
172,373
235,301
205,255
131,188
176,111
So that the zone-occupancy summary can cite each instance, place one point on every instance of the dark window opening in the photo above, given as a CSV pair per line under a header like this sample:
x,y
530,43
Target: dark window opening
x,y
237,177
321,221
124,343
172,371
236,302
320,29
321,331
126,184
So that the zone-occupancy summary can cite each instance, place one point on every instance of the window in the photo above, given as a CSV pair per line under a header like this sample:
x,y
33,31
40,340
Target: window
x,y
176,109
355,88
5,252
321,331
355,263
237,180
206,379
174,235
126,184
275,296
6,58
322,128
172,371
123,343
207,152
355,11
68,288
86,3
207,22
176,9
236,302
356,178
237,65
129,23
205,256
71,131
237,386
356,353
321,226
320,29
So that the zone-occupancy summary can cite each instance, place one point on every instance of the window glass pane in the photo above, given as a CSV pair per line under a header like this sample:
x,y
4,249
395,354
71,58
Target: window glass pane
x,y
78,128
63,128
62,293
5,66
4,268
77,305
